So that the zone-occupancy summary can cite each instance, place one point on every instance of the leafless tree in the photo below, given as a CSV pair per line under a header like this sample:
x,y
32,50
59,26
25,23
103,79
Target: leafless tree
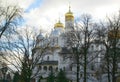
x,y
10,17
88,37
113,34
21,48
102,39
80,40
109,36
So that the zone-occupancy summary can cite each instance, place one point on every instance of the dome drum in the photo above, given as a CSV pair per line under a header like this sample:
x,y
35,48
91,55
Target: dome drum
x,y
69,18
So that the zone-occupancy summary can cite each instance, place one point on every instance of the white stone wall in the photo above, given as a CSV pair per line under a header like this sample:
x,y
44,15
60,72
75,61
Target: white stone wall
x,y
69,25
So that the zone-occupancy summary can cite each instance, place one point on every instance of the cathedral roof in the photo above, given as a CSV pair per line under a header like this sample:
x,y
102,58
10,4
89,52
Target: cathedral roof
x,y
65,50
49,63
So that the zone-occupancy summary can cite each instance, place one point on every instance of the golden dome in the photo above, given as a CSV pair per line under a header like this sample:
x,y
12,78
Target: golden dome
x,y
59,25
114,34
69,15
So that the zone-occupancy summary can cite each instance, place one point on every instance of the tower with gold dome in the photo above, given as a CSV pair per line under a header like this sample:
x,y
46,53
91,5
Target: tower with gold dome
x,y
59,26
69,20
55,36
59,29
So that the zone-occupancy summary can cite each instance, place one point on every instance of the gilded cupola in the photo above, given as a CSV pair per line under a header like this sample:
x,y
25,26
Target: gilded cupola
x,y
114,34
69,15
59,25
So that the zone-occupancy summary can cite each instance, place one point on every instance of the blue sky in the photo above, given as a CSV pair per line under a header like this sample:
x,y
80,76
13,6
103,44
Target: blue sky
x,y
35,4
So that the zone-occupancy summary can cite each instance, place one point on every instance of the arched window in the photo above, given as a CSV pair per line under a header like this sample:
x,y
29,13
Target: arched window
x,y
45,68
40,67
57,40
70,68
56,69
64,68
92,47
92,67
50,68
81,75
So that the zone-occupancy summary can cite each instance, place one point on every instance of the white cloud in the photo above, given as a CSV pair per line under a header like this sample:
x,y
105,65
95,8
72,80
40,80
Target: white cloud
x,y
109,10
22,3
46,15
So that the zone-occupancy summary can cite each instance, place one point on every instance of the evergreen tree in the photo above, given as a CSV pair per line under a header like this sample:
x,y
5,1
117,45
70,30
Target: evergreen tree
x,y
16,77
40,79
51,77
61,77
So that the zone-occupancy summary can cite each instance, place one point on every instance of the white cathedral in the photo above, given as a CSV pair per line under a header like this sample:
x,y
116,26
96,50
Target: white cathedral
x,y
59,56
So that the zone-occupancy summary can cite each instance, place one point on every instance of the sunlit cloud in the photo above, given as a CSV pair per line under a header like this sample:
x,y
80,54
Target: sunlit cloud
x,y
43,14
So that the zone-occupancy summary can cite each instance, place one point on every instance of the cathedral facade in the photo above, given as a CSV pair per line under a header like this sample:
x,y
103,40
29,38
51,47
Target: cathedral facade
x,y
59,56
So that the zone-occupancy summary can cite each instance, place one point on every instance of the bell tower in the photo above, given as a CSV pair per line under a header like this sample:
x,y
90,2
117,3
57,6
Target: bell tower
x,y
69,20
